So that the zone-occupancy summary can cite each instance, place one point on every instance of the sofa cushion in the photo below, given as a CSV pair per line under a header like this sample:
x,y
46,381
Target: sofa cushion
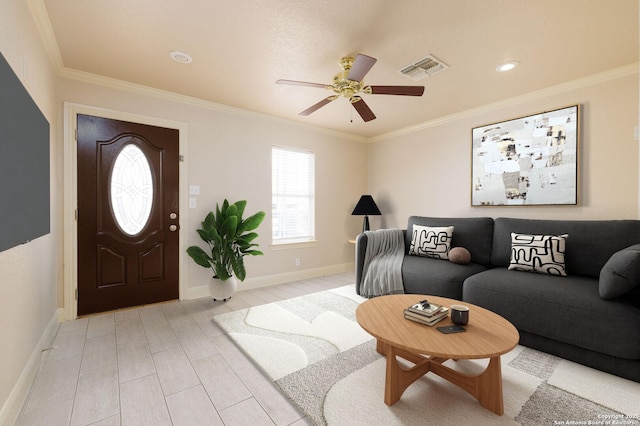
x,y
423,275
431,241
621,273
543,254
590,244
473,233
567,309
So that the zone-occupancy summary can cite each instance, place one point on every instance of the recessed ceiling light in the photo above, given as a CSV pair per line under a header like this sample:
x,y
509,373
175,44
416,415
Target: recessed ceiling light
x,y
507,66
183,58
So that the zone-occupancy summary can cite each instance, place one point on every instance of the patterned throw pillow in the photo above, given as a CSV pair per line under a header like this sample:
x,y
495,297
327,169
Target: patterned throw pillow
x,y
543,254
431,241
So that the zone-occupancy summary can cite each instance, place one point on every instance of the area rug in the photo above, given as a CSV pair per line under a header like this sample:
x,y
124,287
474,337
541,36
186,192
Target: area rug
x,y
315,351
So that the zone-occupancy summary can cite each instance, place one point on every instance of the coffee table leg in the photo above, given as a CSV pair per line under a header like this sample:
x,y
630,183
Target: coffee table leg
x,y
489,387
381,347
486,387
398,379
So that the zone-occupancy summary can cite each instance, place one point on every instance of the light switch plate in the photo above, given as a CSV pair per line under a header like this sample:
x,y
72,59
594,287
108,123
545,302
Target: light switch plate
x,y
194,189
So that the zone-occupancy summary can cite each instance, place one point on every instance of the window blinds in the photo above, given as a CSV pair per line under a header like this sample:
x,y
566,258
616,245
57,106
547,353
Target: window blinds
x,y
293,195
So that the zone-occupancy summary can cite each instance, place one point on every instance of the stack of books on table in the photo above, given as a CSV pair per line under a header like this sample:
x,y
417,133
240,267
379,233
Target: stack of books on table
x,y
426,313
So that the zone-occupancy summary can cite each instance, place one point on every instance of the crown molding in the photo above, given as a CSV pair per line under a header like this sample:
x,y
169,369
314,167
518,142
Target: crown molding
x,y
591,80
189,100
41,18
602,77
43,24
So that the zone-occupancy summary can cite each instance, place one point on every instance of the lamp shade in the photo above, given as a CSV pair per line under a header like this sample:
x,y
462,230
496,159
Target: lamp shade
x,y
366,206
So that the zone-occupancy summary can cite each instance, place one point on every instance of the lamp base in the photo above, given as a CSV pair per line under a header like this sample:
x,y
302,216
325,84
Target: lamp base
x,y
365,223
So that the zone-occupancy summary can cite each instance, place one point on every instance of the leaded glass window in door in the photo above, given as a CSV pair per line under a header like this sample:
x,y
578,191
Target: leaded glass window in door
x,y
131,190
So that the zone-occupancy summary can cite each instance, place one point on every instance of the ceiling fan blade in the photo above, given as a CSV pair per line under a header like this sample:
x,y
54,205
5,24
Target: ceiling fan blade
x,y
319,105
361,67
397,90
302,83
362,108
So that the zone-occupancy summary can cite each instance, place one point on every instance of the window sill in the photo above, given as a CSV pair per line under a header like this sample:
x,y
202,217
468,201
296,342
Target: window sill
x,y
290,246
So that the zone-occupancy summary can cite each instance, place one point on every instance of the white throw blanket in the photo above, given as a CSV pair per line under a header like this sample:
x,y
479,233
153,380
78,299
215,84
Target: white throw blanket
x,y
381,269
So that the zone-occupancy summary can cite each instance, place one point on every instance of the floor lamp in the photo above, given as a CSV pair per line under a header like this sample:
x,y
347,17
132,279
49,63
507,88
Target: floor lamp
x,y
366,206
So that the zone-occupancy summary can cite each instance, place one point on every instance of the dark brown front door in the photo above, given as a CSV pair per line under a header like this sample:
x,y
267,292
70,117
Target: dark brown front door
x,y
127,214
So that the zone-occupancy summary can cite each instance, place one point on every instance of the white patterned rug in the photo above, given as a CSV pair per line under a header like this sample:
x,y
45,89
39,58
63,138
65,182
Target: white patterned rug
x,y
315,351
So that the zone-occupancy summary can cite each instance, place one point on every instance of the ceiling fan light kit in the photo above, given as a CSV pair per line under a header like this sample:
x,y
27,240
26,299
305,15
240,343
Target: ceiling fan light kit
x,y
349,82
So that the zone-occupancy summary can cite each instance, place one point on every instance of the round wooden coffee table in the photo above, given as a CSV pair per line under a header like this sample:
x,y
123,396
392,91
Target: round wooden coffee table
x,y
488,335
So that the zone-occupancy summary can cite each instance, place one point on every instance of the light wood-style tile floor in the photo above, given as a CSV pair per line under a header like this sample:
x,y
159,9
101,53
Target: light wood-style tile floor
x,y
164,364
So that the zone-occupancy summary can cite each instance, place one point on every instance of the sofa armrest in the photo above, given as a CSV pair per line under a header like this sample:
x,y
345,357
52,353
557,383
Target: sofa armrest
x,y
361,248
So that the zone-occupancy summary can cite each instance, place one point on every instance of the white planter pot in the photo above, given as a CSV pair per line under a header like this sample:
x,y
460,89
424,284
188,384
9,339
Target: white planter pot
x,y
222,290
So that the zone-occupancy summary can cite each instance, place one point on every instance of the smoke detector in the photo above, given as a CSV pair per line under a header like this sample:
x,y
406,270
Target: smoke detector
x,y
423,68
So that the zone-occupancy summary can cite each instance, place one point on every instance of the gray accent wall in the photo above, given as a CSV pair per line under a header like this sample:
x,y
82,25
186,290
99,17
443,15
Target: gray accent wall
x,y
24,163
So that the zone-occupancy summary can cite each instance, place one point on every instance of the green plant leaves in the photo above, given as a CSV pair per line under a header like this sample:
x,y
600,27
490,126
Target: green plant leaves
x,y
237,264
251,222
199,256
240,205
229,227
229,240
222,272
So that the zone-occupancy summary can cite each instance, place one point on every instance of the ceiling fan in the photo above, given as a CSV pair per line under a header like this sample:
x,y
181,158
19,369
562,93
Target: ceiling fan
x,y
349,82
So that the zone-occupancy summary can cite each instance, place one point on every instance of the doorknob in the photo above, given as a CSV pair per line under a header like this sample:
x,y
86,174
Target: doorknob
x,y
173,228
173,216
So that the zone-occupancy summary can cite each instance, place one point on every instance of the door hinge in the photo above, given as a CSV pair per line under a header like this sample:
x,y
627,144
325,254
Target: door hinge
x,y
76,215
181,158
76,294
76,135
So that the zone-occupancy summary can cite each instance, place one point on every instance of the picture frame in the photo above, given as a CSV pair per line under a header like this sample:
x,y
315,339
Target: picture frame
x,y
527,161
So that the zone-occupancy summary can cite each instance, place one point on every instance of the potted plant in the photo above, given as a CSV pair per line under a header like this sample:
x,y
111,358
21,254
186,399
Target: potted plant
x,y
229,239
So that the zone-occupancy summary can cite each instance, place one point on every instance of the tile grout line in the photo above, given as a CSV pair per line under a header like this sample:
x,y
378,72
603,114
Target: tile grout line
x,y
182,310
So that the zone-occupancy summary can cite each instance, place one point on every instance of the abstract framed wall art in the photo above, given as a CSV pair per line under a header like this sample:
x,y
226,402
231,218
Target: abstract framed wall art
x,y
527,161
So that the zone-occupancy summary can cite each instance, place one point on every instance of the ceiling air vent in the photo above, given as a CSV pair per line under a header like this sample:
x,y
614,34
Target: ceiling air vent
x,y
423,68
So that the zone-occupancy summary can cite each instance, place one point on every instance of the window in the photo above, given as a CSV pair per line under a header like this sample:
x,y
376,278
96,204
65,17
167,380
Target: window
x,y
293,195
131,190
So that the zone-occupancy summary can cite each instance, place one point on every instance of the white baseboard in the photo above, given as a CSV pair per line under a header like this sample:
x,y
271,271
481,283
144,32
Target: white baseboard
x,y
268,280
11,408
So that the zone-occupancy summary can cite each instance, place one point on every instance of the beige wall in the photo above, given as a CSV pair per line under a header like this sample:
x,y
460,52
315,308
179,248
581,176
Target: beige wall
x,y
427,172
228,155
29,273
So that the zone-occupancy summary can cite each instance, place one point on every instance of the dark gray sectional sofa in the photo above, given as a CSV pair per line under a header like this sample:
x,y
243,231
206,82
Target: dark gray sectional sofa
x,y
563,315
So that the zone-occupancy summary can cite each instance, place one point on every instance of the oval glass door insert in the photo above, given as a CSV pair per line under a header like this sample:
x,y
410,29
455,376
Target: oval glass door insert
x,y
131,190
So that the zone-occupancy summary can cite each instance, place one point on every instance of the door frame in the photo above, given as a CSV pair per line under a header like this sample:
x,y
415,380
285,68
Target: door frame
x,y
70,234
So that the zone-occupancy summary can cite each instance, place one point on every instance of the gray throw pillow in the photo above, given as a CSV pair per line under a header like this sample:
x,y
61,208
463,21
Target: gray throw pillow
x,y
621,273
